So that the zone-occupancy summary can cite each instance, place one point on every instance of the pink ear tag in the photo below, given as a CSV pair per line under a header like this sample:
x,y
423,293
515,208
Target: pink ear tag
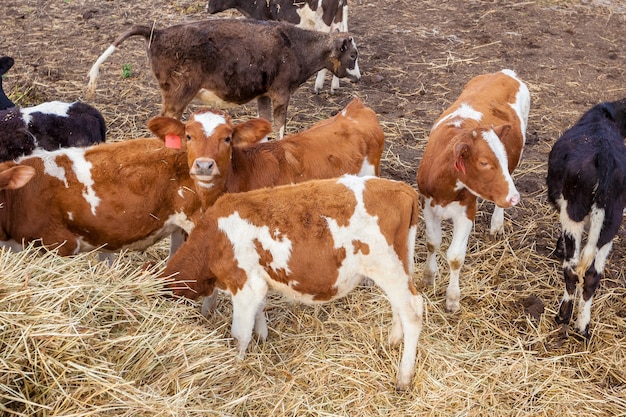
x,y
459,164
172,141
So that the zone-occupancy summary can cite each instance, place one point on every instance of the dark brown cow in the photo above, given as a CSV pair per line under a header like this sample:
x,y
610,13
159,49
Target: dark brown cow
x,y
312,242
322,15
237,61
472,150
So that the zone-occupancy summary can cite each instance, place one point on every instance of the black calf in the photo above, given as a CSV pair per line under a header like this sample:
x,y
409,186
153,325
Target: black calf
x,y
587,184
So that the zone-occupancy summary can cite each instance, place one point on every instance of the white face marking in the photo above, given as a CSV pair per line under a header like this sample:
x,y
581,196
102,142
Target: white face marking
x,y
70,215
498,149
355,72
56,108
209,121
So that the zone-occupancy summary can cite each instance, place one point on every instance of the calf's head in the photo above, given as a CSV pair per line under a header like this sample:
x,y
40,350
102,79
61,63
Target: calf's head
x,y
481,165
344,58
208,138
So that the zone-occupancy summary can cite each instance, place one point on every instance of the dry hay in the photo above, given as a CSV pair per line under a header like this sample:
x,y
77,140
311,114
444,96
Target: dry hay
x,y
81,338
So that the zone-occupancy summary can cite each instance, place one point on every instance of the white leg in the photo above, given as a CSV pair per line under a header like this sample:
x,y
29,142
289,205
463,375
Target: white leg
x,y
456,258
260,323
433,243
584,307
319,81
396,333
408,310
497,221
246,305
334,85
412,325
584,316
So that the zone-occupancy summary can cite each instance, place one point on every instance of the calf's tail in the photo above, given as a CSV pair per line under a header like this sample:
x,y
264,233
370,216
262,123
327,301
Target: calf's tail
x,y
144,31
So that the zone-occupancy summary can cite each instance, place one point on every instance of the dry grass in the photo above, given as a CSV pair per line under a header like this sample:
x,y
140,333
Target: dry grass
x,y
78,338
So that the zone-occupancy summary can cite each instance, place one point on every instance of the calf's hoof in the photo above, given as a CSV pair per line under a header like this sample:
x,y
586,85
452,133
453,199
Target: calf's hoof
x,y
428,278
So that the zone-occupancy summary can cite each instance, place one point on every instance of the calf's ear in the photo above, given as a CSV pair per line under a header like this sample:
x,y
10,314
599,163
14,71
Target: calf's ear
x,y
250,132
461,152
502,131
163,126
16,176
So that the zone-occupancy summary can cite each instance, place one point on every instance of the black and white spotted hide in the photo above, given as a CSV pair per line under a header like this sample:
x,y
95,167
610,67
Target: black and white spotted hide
x,y
50,126
587,185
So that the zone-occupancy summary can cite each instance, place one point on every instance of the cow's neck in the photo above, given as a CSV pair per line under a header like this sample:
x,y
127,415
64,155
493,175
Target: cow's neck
x,y
315,48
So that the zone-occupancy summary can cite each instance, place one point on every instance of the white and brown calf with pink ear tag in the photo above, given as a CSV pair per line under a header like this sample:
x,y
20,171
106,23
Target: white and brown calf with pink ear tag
x,y
473,148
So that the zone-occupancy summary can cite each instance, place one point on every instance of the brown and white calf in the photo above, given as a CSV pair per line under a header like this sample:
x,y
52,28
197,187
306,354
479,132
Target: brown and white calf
x,y
322,15
587,185
473,148
50,126
224,157
237,61
113,196
312,242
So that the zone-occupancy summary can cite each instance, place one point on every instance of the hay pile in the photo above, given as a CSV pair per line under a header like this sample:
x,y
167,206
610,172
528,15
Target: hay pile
x,y
81,338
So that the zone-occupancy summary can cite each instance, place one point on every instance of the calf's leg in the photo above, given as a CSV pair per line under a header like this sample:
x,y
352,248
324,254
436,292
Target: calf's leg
x,y
602,230
571,237
247,303
408,309
456,257
433,243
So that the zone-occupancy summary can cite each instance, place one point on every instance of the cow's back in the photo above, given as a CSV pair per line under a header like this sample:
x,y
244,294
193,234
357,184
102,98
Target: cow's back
x,y
293,228
78,192
212,48
501,98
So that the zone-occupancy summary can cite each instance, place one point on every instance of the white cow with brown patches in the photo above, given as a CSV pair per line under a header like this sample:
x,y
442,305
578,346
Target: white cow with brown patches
x,y
313,242
472,150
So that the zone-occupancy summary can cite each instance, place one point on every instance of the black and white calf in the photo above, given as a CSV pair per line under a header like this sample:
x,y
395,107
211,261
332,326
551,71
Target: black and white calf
x,y
322,15
587,184
50,126
5,64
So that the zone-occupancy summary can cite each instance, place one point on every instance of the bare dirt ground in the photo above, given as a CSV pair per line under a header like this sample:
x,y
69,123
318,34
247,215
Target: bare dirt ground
x,y
415,57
